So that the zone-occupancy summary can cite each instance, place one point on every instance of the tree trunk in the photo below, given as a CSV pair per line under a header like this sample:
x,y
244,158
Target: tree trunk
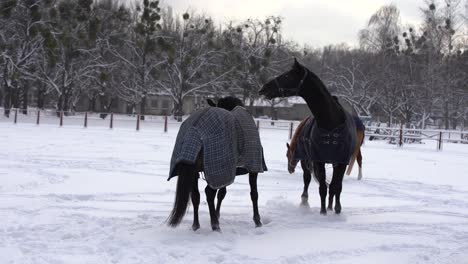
x,y
446,115
24,98
7,101
40,97
423,123
251,107
274,113
60,104
143,108
178,110
390,119
66,101
92,103
15,97
454,123
102,106
408,119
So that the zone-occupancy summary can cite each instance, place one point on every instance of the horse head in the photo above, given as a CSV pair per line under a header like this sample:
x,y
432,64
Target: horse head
x,y
291,163
286,84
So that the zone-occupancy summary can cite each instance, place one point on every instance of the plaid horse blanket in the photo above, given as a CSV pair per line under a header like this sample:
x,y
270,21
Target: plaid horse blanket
x,y
221,139
251,157
330,146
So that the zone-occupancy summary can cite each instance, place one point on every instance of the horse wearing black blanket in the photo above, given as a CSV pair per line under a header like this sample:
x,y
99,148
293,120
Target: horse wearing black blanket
x,y
331,138
221,144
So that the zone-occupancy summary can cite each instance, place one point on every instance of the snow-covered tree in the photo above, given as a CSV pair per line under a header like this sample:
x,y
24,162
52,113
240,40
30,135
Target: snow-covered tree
x,y
20,41
139,55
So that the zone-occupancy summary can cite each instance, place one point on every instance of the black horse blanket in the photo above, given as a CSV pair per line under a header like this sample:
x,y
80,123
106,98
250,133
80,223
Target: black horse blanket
x,y
222,139
330,146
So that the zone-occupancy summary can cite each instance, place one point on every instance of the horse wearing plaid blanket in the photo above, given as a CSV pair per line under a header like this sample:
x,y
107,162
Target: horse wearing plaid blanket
x,y
221,144
330,139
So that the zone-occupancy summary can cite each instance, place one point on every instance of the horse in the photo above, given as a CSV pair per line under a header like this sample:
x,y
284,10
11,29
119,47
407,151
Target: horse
x,y
229,103
202,155
332,132
307,175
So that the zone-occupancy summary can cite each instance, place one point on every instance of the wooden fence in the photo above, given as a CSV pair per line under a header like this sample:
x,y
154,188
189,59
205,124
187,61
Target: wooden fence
x,y
394,135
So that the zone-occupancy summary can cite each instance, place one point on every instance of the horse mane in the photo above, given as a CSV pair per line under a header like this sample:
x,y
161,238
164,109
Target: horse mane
x,y
229,103
297,133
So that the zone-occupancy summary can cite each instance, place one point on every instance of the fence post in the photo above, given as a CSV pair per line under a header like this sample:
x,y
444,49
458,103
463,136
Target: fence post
x,y
138,123
165,124
16,116
111,125
85,119
401,135
38,116
439,145
61,118
291,130
258,124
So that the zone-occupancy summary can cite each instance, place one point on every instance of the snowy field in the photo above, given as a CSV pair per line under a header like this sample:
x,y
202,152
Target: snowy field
x,y
75,195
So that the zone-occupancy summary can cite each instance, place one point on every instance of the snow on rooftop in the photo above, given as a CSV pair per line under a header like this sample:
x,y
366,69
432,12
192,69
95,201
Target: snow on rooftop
x,y
284,102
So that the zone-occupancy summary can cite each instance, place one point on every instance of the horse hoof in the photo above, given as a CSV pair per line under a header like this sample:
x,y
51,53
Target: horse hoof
x,y
323,212
337,209
304,200
216,228
329,208
195,227
258,223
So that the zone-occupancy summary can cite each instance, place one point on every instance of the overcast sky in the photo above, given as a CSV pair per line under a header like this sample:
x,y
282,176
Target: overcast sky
x,y
312,22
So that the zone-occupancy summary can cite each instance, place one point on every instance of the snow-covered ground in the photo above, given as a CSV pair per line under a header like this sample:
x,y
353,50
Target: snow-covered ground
x,y
75,195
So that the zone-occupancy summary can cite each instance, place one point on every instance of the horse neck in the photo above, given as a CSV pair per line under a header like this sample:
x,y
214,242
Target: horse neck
x,y
327,112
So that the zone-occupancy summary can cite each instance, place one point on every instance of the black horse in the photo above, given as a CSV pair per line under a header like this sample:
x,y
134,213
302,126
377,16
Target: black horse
x,y
229,103
307,175
329,116
187,183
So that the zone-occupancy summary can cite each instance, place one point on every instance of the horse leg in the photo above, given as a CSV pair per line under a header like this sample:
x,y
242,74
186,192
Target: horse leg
x,y
336,185
196,203
330,198
331,194
254,198
307,176
221,195
210,196
359,161
319,171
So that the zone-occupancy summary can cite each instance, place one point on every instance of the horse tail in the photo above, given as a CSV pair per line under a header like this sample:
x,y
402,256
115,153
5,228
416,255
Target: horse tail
x,y
359,155
363,136
188,177
356,152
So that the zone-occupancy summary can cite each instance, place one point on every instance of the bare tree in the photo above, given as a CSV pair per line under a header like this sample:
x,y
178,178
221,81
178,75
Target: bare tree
x,y
381,30
194,58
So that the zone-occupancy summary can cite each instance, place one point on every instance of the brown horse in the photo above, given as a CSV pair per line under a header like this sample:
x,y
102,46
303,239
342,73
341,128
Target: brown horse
x,y
307,175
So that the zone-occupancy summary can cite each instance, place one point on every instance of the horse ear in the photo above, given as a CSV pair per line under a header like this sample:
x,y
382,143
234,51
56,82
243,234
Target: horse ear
x,y
287,145
297,65
210,102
